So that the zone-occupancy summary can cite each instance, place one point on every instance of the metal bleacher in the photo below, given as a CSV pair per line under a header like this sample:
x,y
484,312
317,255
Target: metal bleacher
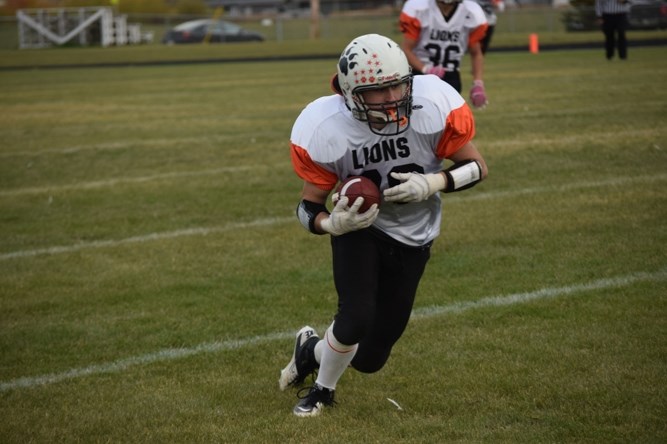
x,y
41,28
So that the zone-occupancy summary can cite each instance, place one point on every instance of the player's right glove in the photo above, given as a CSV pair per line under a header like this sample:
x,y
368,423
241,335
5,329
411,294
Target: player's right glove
x,y
435,70
343,219
478,95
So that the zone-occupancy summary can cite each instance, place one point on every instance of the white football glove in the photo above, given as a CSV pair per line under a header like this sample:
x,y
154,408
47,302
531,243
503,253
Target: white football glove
x,y
343,219
415,187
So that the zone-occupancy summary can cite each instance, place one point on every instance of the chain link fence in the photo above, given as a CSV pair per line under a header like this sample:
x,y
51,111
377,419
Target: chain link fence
x,y
339,21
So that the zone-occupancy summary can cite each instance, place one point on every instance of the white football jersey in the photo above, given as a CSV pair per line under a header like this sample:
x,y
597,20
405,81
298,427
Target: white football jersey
x,y
442,42
328,144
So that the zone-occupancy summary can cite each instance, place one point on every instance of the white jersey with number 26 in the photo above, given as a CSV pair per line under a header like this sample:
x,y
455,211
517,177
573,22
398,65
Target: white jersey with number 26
x,y
442,42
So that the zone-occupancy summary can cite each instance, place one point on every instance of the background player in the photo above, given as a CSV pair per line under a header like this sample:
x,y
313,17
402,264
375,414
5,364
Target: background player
x,y
490,7
396,130
436,35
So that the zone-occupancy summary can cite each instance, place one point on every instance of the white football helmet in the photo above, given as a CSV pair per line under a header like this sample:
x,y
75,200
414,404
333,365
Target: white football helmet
x,y
371,62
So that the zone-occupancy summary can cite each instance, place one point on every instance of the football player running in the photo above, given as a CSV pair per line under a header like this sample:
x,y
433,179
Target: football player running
x,y
396,130
436,35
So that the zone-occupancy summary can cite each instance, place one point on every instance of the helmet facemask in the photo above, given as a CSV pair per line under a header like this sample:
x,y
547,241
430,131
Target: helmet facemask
x,y
385,117
374,62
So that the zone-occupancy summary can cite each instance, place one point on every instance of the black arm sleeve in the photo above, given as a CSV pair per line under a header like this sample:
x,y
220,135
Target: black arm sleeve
x,y
306,212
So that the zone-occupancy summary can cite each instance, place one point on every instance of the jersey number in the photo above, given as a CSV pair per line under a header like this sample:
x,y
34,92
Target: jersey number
x,y
375,176
450,60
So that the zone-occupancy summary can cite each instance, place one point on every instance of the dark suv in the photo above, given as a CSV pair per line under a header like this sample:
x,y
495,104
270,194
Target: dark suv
x,y
648,14
644,14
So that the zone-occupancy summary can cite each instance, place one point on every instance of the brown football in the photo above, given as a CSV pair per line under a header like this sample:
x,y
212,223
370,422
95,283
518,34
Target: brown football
x,y
359,186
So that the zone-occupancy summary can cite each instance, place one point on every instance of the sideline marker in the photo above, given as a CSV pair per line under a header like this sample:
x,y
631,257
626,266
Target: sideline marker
x,y
533,44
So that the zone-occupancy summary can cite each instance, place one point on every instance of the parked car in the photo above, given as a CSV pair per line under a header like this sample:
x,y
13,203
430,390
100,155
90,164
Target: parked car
x,y
648,14
644,14
213,31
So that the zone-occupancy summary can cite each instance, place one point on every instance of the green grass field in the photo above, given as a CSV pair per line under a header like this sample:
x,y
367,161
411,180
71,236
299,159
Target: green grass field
x,y
152,272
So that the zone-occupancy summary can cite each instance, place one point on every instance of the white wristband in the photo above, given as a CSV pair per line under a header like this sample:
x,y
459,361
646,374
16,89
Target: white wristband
x,y
462,176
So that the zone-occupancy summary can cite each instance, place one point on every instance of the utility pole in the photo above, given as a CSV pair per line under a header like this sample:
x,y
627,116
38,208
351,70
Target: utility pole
x,y
314,19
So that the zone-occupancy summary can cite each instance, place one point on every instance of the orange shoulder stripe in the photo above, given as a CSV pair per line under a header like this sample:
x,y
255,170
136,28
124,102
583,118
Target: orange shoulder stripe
x,y
478,34
309,171
459,130
409,26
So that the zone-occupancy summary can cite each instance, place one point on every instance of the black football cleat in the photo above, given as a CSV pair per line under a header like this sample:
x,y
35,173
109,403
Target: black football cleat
x,y
303,361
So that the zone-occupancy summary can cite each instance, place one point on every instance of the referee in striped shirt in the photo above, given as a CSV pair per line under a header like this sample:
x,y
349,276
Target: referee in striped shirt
x,y
613,16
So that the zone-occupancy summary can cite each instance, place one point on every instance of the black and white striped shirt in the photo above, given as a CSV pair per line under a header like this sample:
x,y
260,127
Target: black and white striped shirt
x,y
611,7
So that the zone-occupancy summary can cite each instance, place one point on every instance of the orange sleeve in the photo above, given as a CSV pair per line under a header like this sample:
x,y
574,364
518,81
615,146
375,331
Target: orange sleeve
x,y
309,171
459,130
477,34
409,26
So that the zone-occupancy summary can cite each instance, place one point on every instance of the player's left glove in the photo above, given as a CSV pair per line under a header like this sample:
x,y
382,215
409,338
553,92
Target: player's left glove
x,y
415,187
478,95
344,219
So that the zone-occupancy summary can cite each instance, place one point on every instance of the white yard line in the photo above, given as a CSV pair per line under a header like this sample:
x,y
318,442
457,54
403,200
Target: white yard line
x,y
170,354
195,231
495,145
146,238
544,293
617,181
118,145
121,180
